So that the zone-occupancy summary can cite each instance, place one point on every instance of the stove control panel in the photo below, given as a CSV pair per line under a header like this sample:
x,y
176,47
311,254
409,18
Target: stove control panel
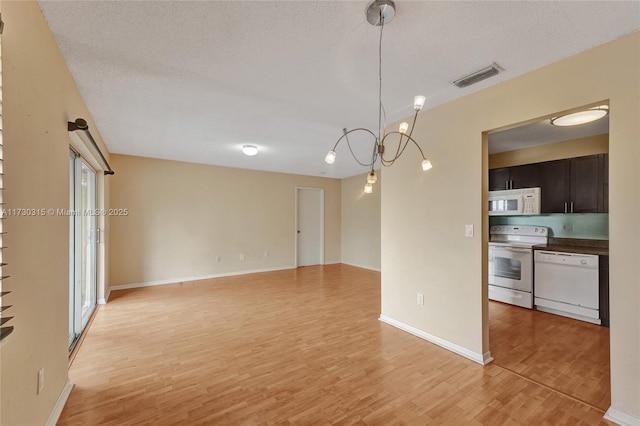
x,y
519,230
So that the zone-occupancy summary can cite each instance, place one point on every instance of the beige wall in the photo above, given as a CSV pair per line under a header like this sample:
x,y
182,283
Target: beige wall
x,y
427,252
361,223
39,97
554,151
182,216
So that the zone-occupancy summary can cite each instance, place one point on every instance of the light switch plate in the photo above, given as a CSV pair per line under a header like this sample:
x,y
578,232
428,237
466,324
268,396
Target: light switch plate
x,y
468,230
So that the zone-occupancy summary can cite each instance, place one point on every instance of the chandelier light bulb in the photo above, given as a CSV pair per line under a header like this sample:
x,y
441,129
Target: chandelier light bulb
x,y
331,157
404,126
418,102
249,150
426,165
371,177
368,188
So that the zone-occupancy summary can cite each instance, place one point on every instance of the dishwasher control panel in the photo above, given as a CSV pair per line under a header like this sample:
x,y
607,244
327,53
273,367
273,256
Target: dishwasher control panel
x,y
575,259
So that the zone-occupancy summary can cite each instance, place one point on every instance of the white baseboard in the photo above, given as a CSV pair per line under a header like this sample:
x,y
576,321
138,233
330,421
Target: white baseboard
x,y
621,418
205,277
487,358
482,359
362,266
106,298
62,400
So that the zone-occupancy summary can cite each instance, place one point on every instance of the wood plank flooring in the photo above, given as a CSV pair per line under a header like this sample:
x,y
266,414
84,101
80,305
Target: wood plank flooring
x,y
568,355
299,347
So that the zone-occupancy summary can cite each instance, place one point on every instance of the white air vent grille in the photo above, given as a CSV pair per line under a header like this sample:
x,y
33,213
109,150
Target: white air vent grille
x,y
478,76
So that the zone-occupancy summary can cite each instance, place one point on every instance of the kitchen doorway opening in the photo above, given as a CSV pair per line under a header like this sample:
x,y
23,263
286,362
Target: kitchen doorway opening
x,y
555,340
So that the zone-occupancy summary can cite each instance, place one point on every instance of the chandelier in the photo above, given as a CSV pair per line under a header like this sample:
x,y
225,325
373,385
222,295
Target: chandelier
x,y
380,12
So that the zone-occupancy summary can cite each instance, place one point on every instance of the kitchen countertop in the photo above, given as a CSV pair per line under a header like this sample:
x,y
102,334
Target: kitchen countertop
x,y
571,245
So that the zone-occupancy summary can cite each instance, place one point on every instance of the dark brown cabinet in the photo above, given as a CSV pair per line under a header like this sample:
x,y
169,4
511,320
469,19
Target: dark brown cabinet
x,y
555,184
587,184
525,176
499,179
603,292
571,185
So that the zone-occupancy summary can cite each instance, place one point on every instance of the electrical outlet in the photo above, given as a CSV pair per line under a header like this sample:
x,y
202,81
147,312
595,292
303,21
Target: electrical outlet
x,y
568,227
40,380
266,254
420,299
241,256
218,259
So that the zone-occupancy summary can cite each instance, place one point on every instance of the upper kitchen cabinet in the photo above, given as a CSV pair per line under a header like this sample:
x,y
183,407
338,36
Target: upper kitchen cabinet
x,y
555,184
571,185
524,176
605,185
587,184
499,179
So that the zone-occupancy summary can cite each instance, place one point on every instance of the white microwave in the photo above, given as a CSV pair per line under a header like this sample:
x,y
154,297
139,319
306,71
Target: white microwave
x,y
513,202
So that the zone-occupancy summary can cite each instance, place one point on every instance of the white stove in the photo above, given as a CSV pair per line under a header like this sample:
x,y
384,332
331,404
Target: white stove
x,y
511,262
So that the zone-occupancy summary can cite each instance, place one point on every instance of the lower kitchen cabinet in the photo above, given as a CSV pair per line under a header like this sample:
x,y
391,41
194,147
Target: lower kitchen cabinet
x,y
604,290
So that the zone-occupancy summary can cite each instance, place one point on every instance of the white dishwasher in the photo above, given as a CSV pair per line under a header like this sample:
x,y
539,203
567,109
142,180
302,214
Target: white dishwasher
x,y
567,284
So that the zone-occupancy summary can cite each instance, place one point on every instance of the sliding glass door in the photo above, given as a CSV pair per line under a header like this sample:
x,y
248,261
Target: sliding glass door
x,y
82,242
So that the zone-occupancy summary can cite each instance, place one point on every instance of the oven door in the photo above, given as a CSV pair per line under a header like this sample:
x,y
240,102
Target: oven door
x,y
511,267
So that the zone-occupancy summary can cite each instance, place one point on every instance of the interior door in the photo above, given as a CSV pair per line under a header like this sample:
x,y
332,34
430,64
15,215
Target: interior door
x,y
309,222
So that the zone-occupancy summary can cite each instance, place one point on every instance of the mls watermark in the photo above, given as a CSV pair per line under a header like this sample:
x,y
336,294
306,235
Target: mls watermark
x,y
32,212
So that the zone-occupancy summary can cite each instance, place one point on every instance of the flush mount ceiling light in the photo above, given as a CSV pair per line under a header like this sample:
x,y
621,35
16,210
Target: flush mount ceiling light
x,y
581,117
249,150
380,12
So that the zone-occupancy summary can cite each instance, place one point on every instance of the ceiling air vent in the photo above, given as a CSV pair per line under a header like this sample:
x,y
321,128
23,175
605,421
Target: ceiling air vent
x,y
478,76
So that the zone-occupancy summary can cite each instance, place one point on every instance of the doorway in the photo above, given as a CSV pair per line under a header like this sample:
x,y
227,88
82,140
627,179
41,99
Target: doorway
x,y
309,226
83,239
558,351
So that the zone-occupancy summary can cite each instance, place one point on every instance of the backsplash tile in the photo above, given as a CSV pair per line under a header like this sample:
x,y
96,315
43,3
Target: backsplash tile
x,y
590,226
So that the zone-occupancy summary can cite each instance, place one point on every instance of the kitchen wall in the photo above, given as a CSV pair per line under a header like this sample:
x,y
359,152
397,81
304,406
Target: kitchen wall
x,y
427,251
361,223
591,226
182,216
39,97
597,144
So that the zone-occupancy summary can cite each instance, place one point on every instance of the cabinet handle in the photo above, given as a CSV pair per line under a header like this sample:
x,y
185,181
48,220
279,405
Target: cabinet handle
x,y
506,184
572,207
565,206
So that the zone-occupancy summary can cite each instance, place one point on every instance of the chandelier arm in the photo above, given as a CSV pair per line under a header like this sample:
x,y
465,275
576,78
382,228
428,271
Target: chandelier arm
x,y
409,138
400,151
345,136
413,125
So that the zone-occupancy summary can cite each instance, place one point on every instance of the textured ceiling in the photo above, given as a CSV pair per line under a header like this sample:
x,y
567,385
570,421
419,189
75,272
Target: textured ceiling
x,y
194,81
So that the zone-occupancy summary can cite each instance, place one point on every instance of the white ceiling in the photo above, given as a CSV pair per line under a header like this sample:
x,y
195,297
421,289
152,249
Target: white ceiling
x,y
541,133
194,81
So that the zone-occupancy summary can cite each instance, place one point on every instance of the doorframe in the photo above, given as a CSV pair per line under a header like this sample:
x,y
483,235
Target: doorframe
x,y
82,147
296,214
486,226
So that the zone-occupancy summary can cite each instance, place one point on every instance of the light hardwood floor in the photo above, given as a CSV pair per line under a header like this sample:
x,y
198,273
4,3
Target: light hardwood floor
x,y
298,347
565,354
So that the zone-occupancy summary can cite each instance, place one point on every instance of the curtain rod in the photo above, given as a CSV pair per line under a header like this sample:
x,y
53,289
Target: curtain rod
x,y
81,124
